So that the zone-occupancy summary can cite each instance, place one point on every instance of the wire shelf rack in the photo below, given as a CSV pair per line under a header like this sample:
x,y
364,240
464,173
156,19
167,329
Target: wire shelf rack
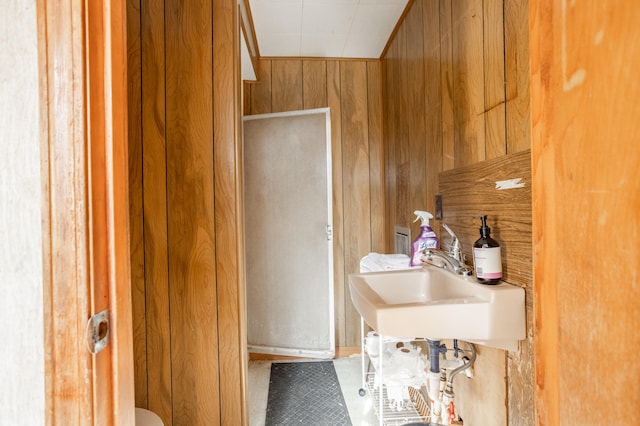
x,y
392,413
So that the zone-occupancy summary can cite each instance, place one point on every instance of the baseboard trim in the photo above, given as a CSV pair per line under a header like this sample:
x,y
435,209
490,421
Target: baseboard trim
x,y
341,352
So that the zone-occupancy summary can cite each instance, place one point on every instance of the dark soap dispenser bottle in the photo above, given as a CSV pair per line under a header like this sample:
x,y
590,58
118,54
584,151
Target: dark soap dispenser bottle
x,y
487,260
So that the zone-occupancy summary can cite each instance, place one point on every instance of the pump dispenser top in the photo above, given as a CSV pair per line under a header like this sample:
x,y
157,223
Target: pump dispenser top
x,y
486,255
485,231
426,240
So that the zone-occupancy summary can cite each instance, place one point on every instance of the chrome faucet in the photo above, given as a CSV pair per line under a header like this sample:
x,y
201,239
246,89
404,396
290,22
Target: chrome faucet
x,y
452,260
455,250
443,260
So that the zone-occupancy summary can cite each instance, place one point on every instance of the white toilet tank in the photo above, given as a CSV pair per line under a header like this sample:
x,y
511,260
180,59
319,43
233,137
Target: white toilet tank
x,y
147,418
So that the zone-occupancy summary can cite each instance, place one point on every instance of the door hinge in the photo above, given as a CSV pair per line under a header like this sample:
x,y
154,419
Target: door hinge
x,y
329,233
98,331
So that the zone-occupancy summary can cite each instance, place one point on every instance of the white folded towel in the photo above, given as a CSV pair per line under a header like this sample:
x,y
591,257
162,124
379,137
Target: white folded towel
x,y
375,262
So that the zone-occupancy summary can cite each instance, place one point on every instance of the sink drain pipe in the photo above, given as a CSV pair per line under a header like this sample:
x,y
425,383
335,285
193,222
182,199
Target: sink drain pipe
x,y
435,349
442,397
433,383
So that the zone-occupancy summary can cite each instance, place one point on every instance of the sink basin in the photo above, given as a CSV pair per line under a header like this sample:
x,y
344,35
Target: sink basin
x,y
435,304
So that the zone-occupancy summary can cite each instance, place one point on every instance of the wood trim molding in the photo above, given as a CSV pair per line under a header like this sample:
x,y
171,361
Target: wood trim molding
x,y
229,228
248,31
341,352
318,58
119,273
65,252
546,315
85,210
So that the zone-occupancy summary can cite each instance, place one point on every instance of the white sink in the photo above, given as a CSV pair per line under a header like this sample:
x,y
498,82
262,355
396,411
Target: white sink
x,y
435,304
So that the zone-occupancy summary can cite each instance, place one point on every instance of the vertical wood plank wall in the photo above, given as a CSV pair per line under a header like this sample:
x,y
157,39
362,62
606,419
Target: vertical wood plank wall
x,y
456,93
352,89
190,210
187,292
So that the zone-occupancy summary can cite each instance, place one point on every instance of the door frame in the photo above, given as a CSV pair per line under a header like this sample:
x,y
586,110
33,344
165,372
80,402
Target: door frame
x,y
83,133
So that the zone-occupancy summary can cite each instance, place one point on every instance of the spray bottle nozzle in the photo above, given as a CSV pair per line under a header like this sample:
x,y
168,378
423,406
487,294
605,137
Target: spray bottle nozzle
x,y
423,216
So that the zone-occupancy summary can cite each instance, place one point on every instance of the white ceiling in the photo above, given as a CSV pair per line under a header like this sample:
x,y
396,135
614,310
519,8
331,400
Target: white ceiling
x,y
324,28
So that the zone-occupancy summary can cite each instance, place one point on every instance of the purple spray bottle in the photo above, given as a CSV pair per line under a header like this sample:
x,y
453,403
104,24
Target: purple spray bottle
x,y
426,240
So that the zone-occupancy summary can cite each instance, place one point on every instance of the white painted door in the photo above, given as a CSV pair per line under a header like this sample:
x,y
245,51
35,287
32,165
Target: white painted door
x,y
288,247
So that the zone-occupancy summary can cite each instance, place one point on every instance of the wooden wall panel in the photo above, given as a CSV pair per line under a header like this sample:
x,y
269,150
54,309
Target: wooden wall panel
x,y
376,157
584,92
246,98
355,175
314,84
286,85
520,373
352,91
447,78
481,400
340,297
520,365
390,125
191,235
471,191
468,192
156,261
136,223
468,76
516,54
191,301
466,121
403,205
494,79
415,123
261,91
434,111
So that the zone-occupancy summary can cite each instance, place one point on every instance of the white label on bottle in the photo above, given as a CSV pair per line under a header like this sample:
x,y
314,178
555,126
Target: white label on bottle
x,y
488,262
429,243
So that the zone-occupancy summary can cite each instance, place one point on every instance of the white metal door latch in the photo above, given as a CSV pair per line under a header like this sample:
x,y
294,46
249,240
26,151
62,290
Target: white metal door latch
x,y
98,331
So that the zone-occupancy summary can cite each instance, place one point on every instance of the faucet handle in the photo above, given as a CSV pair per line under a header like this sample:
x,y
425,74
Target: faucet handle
x,y
455,250
446,227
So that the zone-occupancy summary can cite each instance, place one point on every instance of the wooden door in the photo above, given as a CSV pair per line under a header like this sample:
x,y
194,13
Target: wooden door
x,y
585,63
85,210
